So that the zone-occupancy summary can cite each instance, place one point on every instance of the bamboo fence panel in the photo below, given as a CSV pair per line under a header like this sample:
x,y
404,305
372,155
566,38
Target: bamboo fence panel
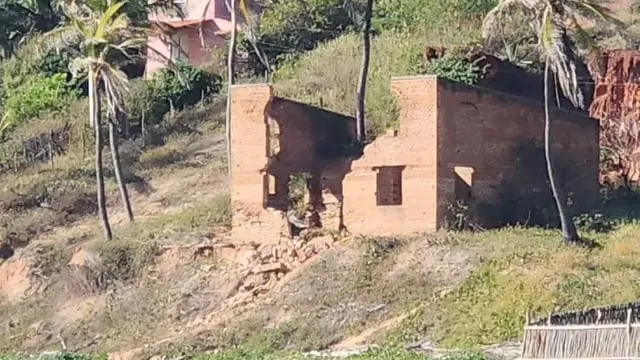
x,y
603,333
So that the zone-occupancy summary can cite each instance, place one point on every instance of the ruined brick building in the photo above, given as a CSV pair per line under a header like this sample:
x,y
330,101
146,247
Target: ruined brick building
x,y
453,143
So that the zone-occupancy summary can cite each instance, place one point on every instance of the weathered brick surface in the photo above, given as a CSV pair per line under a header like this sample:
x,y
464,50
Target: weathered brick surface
x,y
493,133
251,222
496,139
414,147
273,138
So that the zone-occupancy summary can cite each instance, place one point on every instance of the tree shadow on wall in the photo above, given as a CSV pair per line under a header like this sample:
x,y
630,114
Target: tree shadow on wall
x,y
527,199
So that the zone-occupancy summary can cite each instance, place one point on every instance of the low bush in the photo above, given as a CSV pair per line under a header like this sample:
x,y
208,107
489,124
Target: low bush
x,y
123,259
455,69
46,93
177,88
420,15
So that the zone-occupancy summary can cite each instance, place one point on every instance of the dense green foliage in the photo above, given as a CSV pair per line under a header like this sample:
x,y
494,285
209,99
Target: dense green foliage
x,y
47,93
29,64
455,69
288,28
418,15
180,87
184,86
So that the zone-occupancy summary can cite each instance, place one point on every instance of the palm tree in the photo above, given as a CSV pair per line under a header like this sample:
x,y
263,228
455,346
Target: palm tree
x,y
553,21
364,71
101,34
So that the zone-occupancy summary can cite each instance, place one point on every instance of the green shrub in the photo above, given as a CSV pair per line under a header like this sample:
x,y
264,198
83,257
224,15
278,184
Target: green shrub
x,y
455,69
420,15
40,94
53,63
294,27
124,259
30,63
185,86
181,87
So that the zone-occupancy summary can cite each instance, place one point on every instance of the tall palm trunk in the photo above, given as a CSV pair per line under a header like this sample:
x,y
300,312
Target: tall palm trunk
x,y
117,168
94,114
364,71
569,232
230,76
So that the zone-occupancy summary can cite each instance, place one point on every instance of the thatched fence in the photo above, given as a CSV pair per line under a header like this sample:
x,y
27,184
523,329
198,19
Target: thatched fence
x,y
611,333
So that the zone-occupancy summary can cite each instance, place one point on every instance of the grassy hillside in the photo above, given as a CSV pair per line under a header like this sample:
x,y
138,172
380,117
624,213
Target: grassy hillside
x,y
316,79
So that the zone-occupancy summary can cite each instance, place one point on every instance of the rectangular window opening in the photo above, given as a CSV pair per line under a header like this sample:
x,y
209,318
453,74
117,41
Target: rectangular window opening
x,y
272,184
463,183
389,185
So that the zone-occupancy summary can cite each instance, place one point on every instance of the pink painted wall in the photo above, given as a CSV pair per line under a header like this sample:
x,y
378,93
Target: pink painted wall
x,y
216,25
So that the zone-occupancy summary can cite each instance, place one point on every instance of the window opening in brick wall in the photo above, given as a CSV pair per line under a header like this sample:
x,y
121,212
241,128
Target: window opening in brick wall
x,y
271,184
273,137
389,185
463,183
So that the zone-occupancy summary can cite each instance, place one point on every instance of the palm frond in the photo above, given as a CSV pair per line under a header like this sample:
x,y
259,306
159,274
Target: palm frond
x,y
116,85
501,13
158,7
592,10
557,50
107,18
64,37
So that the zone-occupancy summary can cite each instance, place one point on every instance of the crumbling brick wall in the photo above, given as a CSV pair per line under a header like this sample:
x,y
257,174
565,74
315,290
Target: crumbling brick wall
x,y
457,142
272,139
453,142
250,220
500,138
413,147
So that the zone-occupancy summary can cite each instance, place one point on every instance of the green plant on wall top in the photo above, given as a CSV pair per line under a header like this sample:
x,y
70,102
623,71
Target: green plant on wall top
x,y
298,190
455,69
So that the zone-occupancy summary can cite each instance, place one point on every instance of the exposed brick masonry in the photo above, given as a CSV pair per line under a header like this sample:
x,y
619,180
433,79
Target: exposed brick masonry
x,y
454,141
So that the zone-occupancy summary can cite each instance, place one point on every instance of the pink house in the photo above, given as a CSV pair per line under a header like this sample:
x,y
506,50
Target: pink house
x,y
204,26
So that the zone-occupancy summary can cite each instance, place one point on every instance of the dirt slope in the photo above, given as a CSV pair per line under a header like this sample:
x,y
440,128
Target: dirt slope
x,y
194,289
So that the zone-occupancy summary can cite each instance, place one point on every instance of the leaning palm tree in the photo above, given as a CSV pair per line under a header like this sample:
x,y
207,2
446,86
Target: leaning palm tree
x,y
98,35
553,21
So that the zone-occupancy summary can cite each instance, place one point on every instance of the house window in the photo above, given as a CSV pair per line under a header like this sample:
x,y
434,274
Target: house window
x,y
182,5
177,45
389,185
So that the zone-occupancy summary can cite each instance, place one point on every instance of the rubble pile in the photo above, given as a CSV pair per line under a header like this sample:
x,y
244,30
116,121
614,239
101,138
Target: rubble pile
x,y
274,261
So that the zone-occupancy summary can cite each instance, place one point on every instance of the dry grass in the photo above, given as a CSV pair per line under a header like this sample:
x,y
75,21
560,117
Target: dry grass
x,y
529,270
392,54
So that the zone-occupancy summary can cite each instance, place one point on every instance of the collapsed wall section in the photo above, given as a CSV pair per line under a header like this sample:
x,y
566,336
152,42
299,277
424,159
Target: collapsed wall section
x,y
391,188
